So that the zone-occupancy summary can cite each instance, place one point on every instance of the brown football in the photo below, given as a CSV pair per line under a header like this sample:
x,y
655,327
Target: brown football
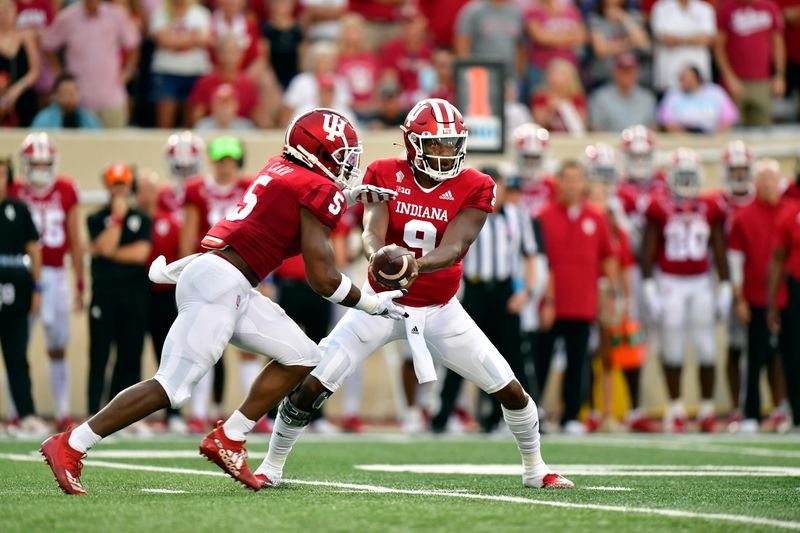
x,y
393,267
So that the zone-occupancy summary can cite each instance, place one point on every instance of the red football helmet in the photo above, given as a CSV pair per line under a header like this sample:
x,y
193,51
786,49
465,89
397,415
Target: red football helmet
x,y
436,139
37,157
685,173
325,141
184,154
530,142
600,163
737,165
638,150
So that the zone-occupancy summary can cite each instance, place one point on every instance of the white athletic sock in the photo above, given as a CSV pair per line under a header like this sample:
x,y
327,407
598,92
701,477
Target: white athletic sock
x,y
524,424
59,384
11,407
201,396
351,392
676,408
83,438
706,409
248,372
280,444
238,426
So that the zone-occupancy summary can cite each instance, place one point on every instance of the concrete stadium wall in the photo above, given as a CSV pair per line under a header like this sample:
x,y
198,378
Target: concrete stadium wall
x,y
84,155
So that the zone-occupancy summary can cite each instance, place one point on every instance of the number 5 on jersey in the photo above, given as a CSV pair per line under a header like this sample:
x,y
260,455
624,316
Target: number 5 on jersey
x,y
249,200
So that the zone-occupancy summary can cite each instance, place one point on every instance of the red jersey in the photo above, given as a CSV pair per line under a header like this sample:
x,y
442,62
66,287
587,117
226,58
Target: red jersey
x,y
294,268
791,33
362,73
212,200
418,218
49,209
788,237
34,14
165,237
729,205
749,25
577,240
441,15
537,194
792,191
245,88
749,234
264,229
684,232
170,200
621,245
635,197
407,64
374,10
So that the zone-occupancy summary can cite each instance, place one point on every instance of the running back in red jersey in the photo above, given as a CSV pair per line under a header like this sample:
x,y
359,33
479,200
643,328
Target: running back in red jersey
x,y
213,200
264,228
419,217
684,232
49,208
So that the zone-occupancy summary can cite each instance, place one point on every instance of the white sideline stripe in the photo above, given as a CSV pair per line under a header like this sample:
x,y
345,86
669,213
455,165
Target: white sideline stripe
x,y
592,470
610,489
165,491
673,513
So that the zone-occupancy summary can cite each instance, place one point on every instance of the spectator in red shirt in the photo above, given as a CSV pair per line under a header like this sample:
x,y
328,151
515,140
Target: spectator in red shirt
x,y
579,249
406,56
359,66
791,35
556,30
748,256
559,104
224,112
786,259
227,71
381,18
748,47
441,27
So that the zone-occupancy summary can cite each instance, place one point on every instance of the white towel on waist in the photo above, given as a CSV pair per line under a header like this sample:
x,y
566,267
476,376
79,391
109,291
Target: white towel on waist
x,y
415,332
168,274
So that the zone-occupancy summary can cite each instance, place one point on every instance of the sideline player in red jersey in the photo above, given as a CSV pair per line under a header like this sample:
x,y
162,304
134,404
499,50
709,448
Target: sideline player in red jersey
x,y
183,155
531,143
680,299
439,211
290,208
53,202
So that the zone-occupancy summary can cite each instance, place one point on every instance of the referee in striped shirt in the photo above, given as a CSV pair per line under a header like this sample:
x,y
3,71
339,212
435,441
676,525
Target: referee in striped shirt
x,y
499,271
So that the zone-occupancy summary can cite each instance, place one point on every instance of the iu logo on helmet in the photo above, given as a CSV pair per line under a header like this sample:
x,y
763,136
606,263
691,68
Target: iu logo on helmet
x,y
333,125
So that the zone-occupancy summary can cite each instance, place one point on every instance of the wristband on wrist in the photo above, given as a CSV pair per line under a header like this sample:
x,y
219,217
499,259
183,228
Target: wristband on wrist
x,y
80,285
37,287
116,220
341,291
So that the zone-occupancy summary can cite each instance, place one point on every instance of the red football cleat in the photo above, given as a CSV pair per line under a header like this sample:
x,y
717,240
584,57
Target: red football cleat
x,y
353,424
678,425
641,424
556,481
265,481
66,424
196,425
65,462
708,424
229,455
593,422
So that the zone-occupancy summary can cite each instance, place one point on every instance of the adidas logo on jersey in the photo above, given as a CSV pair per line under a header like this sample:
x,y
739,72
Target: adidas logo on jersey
x,y
447,195
414,331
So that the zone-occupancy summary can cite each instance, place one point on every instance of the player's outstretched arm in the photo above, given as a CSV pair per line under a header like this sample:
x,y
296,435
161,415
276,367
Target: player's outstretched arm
x,y
458,236
376,223
328,282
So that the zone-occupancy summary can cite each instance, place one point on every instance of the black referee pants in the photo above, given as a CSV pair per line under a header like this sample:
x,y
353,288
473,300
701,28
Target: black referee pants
x,y
760,351
14,343
118,316
790,327
162,312
486,304
576,376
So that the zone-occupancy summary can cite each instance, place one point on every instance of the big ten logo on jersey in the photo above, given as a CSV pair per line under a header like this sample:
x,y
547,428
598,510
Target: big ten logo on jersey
x,y
333,125
49,219
686,237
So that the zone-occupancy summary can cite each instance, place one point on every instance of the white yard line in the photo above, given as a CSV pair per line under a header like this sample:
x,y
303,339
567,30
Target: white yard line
x,y
610,489
165,491
672,513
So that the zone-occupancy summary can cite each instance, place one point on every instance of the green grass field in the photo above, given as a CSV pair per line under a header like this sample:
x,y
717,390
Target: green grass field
x,y
394,483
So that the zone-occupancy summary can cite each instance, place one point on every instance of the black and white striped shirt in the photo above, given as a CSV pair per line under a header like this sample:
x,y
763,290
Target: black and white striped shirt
x,y
496,255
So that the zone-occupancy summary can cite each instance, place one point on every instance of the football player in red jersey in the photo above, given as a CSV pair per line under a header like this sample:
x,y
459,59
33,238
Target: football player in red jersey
x,y
290,208
439,211
53,202
531,143
183,155
680,298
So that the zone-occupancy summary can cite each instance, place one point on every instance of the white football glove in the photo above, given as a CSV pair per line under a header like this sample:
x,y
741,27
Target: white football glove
x,y
382,304
724,300
368,194
652,299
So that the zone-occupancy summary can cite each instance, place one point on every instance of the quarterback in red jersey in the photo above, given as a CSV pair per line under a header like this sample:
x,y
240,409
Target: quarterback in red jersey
x,y
439,211
289,209
531,143
53,202
680,298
